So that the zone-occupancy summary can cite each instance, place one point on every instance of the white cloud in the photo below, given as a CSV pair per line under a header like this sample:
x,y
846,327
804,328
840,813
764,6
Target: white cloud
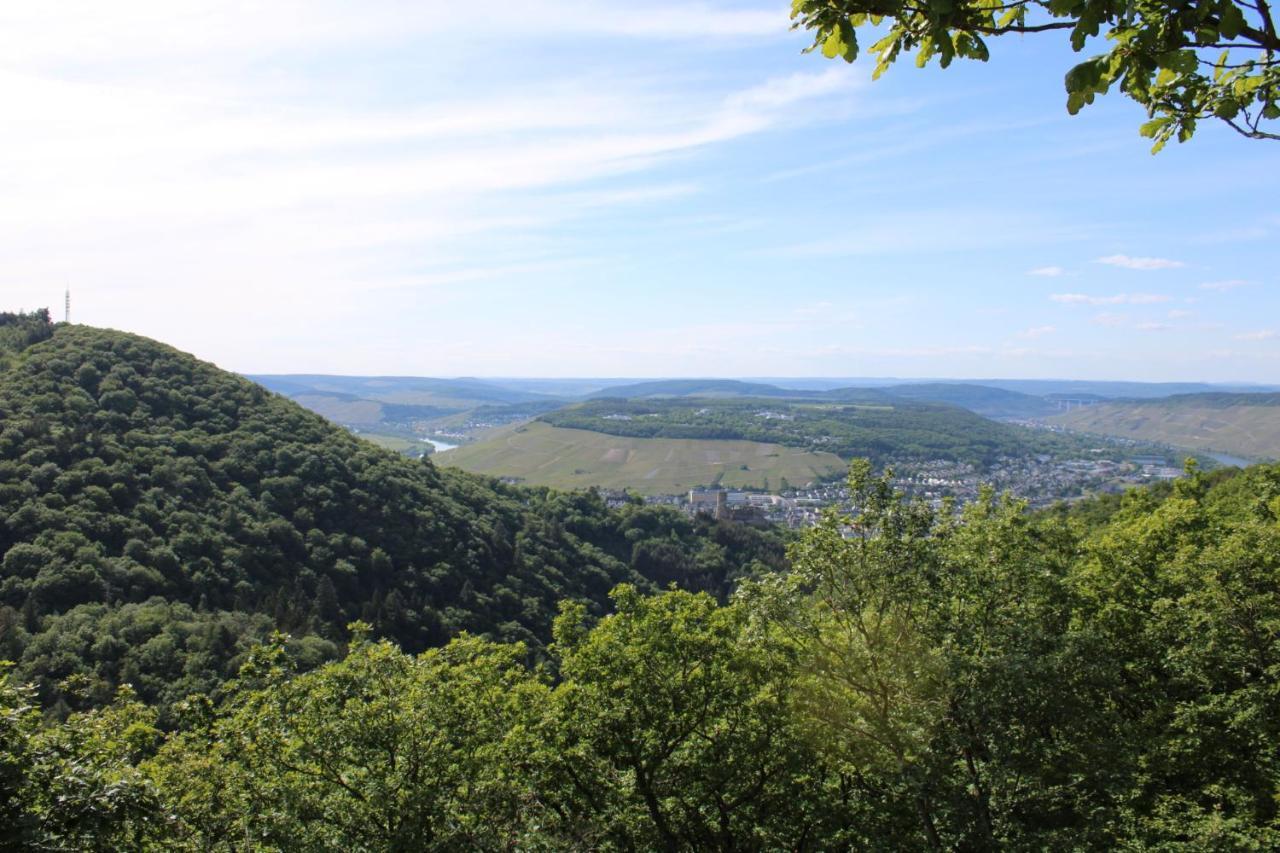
x,y
1115,299
267,199
961,229
906,352
1108,319
1153,327
1229,284
1179,313
1037,332
142,30
1132,263
1260,335
1047,272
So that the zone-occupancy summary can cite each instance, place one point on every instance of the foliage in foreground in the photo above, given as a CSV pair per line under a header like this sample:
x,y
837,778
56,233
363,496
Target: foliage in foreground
x,y
1000,681
1184,62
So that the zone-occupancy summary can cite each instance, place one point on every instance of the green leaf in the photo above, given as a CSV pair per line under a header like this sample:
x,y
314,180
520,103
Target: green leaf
x,y
1219,66
1232,20
1152,128
833,46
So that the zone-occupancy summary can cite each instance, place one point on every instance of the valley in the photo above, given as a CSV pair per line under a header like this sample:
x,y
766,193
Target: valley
x,y
660,439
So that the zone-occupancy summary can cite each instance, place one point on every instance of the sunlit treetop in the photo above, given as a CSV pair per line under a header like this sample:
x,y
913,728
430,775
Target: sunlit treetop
x,y
1183,61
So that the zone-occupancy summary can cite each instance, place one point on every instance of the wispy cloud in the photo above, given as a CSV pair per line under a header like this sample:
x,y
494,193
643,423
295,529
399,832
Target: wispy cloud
x,y
958,229
1114,299
1047,272
1037,332
1260,335
1131,263
193,29
1229,284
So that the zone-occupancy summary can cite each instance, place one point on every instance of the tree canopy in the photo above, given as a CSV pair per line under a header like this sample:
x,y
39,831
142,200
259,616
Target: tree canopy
x,y
1183,61
1103,680
158,516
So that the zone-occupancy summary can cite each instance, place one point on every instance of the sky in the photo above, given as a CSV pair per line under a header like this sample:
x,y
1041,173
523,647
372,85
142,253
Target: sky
x,y
611,188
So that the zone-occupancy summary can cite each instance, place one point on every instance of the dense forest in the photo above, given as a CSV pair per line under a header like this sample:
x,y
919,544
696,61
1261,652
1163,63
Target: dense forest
x,y
234,627
1096,679
880,431
158,516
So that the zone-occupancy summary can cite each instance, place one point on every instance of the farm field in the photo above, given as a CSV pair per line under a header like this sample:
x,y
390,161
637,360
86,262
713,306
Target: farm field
x,y
544,455
1246,425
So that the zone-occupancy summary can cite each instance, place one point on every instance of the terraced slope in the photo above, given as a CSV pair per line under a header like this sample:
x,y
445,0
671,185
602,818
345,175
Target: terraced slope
x,y
540,454
1246,425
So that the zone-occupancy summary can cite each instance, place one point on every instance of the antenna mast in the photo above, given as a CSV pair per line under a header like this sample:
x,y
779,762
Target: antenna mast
x,y
66,314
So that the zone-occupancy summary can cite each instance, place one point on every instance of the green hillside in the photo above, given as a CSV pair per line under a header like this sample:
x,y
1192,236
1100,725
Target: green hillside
x,y
884,430
544,455
1246,425
158,515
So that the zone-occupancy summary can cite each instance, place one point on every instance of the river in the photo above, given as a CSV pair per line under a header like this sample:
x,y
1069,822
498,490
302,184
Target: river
x,y
439,446
1227,459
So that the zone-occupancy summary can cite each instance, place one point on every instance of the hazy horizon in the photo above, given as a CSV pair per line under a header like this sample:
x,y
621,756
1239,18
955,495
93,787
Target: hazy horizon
x,y
826,381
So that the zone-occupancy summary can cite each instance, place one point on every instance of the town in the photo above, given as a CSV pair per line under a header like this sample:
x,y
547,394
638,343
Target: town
x,y
1040,481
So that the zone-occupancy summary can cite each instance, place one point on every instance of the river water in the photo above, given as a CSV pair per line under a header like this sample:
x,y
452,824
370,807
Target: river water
x,y
1228,459
439,446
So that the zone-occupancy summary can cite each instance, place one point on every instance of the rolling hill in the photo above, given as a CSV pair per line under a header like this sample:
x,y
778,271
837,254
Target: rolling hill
x,y
158,515
393,404
1246,425
410,390
995,403
545,455
694,388
883,429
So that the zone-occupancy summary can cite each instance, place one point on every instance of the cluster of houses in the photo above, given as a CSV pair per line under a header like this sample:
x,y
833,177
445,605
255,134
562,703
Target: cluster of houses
x,y
1042,481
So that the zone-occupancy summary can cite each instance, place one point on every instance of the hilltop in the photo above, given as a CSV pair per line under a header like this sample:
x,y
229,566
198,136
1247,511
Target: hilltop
x,y
159,514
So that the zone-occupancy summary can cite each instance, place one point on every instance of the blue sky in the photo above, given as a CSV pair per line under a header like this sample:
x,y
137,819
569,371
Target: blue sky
x,y
613,188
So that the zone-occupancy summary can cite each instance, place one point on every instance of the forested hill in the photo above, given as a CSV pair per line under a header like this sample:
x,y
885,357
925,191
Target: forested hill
x,y
158,514
884,432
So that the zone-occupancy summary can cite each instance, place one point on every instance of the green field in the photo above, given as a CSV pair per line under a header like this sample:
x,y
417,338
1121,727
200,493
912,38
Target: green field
x,y
543,455
1231,424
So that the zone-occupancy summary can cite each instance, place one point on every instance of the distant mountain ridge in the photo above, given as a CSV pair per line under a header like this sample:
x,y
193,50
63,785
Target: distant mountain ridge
x,y
987,401
697,388
398,410
396,389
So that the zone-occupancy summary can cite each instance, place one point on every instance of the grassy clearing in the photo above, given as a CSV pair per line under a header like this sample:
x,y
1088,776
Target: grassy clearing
x,y
540,454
